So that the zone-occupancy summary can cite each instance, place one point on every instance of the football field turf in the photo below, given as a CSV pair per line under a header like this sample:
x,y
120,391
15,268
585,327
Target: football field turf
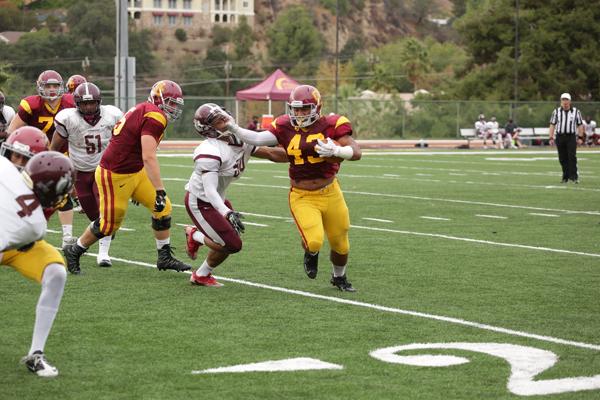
x,y
481,264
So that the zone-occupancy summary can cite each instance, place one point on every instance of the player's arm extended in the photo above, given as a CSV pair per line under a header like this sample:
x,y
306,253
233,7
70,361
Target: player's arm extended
x,y
263,138
275,154
210,181
149,146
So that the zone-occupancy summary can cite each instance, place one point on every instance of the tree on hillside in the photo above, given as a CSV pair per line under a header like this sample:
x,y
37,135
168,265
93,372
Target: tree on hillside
x,y
295,40
559,49
13,19
243,37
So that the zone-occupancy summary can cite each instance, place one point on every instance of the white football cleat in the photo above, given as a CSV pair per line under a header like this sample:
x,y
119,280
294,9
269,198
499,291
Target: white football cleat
x,y
37,364
104,261
68,240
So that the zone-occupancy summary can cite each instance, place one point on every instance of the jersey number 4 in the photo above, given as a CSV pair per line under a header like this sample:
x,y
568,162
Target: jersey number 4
x,y
28,203
293,149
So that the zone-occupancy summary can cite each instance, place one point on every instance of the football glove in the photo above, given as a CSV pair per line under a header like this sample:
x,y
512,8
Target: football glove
x,y
327,148
235,219
160,201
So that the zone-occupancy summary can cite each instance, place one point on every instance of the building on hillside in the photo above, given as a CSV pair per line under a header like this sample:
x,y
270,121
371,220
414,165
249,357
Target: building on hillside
x,y
189,14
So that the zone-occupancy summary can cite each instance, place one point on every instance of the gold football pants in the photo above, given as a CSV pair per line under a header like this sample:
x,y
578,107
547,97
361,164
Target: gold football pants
x,y
319,212
115,190
32,262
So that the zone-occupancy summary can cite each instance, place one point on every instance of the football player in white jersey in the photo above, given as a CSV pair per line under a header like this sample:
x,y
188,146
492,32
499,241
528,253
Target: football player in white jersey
x,y
218,161
87,129
7,113
44,183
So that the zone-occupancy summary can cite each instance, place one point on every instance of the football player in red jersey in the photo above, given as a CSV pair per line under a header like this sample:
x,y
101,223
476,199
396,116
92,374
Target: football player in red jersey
x,y
129,169
39,111
73,82
315,198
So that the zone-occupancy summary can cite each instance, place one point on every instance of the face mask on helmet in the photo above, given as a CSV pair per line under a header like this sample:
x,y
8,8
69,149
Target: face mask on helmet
x,y
88,99
50,85
304,106
167,96
23,144
204,118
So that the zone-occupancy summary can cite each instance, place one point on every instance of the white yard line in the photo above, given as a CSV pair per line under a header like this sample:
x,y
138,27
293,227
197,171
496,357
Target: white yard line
x,y
544,215
451,320
378,220
490,216
434,218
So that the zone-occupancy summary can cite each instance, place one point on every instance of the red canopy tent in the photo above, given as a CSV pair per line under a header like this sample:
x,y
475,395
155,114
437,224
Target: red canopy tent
x,y
276,86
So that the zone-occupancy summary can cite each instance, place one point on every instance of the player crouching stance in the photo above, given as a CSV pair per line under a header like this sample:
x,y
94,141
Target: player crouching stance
x,y
44,183
218,161
316,200
129,169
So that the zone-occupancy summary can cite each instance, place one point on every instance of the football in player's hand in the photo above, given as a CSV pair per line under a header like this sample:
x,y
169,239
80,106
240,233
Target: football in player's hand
x,y
334,159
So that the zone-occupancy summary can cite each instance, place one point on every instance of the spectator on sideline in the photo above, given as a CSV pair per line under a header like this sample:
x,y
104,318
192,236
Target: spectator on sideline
x,y
493,131
590,138
480,128
253,125
511,131
565,123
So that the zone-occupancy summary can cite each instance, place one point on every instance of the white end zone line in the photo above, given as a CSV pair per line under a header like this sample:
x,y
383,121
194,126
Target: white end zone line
x,y
435,317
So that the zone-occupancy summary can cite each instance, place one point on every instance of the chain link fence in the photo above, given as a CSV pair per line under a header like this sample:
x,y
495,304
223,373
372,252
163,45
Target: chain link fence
x,y
388,118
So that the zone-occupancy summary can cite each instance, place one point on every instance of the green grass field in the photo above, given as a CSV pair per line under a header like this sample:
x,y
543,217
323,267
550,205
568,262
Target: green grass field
x,y
455,250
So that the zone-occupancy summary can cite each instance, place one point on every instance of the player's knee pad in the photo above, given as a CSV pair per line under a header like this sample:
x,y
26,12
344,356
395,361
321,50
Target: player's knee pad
x,y
313,245
340,244
161,224
95,228
68,206
54,275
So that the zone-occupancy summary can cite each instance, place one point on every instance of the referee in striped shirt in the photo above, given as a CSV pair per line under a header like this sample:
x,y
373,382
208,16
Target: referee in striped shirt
x,y
564,126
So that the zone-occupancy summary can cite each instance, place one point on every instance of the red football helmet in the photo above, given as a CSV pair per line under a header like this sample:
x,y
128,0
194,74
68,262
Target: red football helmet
x,y
204,118
50,175
74,81
87,93
50,78
26,141
167,95
304,106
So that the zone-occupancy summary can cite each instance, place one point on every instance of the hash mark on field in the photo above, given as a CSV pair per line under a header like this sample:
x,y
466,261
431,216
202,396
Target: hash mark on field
x,y
544,215
377,219
434,218
455,174
393,175
490,216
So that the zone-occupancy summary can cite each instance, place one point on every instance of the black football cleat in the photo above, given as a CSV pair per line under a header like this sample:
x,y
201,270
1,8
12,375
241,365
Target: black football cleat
x,y
72,254
342,283
311,264
167,261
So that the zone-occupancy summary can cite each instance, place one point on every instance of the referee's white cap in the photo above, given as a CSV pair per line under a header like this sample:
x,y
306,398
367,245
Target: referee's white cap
x,y
565,96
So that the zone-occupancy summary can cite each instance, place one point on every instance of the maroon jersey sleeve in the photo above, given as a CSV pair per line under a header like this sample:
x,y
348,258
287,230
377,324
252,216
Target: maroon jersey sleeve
x,y
124,152
28,108
338,126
